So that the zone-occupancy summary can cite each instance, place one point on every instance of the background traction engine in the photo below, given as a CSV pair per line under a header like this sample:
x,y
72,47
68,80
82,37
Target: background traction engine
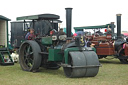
x,y
57,50
110,46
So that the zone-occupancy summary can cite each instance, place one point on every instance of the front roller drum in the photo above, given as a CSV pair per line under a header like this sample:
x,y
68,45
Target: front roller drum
x,y
82,64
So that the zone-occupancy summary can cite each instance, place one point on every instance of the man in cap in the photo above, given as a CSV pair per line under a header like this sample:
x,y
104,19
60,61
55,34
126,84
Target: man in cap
x,y
61,32
30,35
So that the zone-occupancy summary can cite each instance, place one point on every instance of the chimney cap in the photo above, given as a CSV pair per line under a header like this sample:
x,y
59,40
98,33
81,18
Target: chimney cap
x,y
118,14
68,8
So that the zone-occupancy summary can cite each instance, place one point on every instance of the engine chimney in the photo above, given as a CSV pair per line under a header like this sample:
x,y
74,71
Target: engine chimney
x,y
68,21
118,26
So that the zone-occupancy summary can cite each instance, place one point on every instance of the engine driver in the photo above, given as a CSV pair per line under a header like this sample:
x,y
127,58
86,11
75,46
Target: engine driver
x,y
61,32
30,35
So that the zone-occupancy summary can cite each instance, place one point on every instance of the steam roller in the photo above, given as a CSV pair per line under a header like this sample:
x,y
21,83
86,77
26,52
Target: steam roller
x,y
59,50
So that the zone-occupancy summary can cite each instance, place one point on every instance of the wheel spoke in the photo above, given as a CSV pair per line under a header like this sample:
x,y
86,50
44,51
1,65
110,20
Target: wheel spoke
x,y
26,61
25,51
31,53
28,49
28,56
31,60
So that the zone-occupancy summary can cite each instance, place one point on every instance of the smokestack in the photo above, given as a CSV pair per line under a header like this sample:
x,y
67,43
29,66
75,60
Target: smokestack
x,y
68,21
118,26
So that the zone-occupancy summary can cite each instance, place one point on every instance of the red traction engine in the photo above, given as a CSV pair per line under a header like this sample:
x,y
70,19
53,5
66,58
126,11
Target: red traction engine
x,y
109,44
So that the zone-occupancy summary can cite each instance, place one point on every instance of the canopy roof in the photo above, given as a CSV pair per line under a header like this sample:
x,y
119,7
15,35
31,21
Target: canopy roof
x,y
92,27
4,18
40,16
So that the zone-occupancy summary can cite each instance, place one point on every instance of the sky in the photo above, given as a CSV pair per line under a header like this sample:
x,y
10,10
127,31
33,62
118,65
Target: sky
x,y
84,13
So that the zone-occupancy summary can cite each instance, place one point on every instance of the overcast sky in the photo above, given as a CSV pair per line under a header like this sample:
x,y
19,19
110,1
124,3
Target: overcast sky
x,y
85,12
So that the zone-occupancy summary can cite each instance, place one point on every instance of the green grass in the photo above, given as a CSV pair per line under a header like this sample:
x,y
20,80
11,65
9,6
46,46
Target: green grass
x,y
112,72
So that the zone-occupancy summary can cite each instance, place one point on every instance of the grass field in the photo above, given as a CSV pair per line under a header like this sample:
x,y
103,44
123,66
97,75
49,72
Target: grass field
x,y
112,72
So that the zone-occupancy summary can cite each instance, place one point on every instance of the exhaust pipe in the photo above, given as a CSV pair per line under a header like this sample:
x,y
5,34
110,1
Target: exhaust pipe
x,y
118,26
68,21
119,40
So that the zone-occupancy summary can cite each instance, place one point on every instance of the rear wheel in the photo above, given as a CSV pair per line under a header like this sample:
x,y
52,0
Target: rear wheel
x,y
29,56
121,54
